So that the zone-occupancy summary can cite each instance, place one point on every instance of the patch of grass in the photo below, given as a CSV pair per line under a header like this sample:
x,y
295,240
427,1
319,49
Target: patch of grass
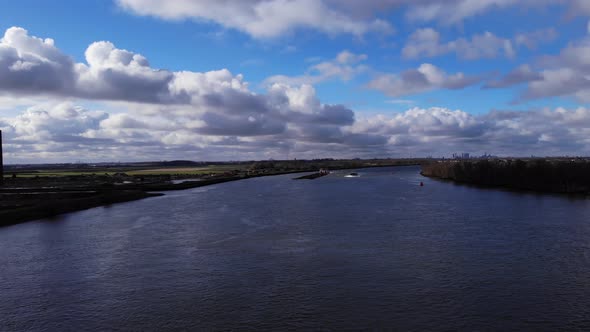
x,y
196,171
51,174
189,170
130,171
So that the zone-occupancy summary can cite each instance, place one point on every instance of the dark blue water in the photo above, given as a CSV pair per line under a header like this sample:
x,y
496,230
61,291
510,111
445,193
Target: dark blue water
x,y
376,251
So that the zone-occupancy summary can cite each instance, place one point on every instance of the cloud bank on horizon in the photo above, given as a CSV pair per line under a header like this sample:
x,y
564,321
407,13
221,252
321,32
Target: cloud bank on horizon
x,y
529,87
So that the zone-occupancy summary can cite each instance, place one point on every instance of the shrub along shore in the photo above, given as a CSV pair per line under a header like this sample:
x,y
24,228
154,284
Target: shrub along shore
x,y
567,176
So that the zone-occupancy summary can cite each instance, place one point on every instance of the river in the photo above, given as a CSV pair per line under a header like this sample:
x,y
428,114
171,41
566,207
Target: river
x,y
376,251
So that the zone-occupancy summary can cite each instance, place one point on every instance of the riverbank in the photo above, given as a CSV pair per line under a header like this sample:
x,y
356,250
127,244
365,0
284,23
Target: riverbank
x,y
60,203
562,176
30,198
27,203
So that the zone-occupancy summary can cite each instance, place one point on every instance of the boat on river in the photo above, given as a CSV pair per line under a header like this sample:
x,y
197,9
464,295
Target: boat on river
x,y
352,175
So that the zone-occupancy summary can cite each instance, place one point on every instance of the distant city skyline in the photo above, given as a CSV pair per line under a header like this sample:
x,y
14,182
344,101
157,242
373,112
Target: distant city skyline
x,y
138,80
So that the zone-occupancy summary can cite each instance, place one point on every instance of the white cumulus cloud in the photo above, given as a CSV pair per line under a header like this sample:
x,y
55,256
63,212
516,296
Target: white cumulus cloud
x,y
261,18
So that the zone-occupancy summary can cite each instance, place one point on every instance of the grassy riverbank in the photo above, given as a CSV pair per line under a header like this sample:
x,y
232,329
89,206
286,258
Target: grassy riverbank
x,y
60,203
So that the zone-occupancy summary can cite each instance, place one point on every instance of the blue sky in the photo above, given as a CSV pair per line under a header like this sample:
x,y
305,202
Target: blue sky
x,y
295,77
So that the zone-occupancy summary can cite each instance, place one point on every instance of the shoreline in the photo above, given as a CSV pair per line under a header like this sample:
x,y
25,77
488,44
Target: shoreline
x,y
540,177
55,207
522,191
69,200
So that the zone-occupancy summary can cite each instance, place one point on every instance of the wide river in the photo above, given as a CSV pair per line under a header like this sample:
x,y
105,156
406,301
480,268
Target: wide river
x,y
375,251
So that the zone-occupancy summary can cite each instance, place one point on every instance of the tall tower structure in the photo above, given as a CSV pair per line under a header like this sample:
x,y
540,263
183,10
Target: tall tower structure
x,y
1,162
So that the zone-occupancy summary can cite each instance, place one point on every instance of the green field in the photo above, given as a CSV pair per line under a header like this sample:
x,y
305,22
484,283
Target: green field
x,y
129,171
